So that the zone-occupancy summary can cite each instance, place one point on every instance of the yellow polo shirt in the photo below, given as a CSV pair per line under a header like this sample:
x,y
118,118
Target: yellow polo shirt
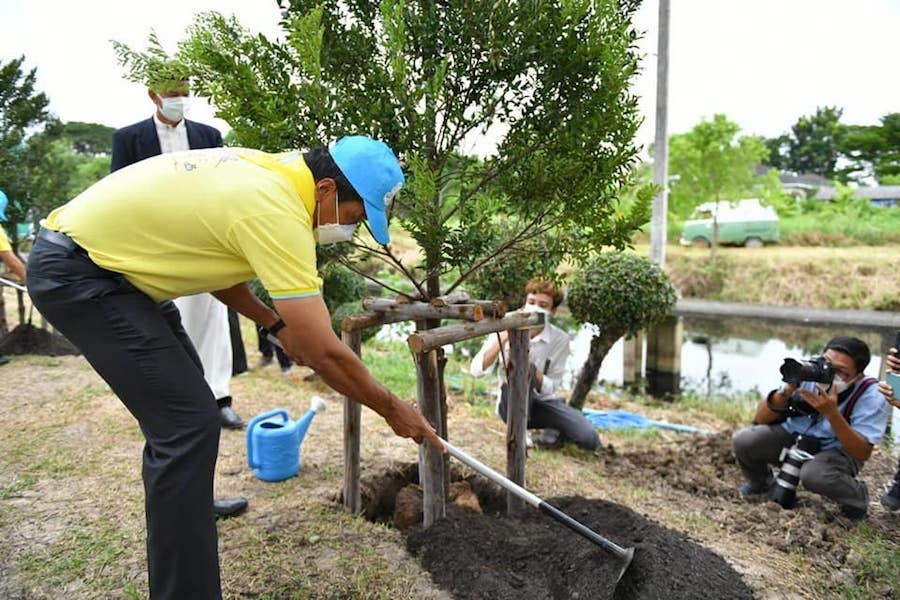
x,y
199,221
5,246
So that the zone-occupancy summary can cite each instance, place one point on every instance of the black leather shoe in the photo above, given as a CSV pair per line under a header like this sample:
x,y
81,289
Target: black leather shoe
x,y
230,419
229,507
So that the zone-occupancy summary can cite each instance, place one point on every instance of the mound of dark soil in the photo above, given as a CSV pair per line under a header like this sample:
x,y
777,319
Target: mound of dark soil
x,y
534,557
28,339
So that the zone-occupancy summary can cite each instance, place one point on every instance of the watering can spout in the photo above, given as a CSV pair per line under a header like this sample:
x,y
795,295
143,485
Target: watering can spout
x,y
317,405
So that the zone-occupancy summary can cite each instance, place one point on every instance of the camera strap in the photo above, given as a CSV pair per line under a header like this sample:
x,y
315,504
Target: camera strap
x,y
862,387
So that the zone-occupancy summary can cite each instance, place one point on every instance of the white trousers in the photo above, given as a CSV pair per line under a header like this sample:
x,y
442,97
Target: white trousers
x,y
205,320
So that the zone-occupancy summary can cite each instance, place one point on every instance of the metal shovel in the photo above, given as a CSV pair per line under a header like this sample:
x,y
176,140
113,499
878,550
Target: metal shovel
x,y
625,554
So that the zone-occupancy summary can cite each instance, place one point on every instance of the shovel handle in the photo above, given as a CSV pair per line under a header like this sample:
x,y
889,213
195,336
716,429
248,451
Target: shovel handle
x,y
580,529
13,284
491,474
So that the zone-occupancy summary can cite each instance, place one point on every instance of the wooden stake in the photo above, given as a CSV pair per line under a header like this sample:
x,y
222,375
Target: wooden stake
x,y
352,432
517,415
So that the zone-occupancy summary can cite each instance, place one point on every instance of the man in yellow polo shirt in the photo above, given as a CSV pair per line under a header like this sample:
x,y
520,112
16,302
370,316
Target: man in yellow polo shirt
x,y
105,267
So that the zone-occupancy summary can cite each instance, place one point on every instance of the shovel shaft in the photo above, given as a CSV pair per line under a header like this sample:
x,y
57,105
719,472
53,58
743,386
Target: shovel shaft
x,y
13,284
493,475
584,531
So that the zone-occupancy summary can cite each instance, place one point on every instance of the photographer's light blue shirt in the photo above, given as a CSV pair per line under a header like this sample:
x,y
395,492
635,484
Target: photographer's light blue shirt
x,y
869,418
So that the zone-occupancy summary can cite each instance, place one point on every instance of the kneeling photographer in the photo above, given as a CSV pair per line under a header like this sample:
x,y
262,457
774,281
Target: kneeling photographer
x,y
819,428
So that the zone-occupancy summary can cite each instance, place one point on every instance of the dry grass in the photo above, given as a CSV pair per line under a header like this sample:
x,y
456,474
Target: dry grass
x,y
851,277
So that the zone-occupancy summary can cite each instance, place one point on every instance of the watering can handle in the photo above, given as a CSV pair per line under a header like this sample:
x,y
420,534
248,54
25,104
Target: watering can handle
x,y
252,426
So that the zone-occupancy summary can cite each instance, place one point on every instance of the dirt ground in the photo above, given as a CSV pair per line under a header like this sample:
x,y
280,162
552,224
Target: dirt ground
x,y
71,508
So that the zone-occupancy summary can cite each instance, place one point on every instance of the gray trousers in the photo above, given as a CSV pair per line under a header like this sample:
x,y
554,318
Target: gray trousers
x,y
832,473
554,413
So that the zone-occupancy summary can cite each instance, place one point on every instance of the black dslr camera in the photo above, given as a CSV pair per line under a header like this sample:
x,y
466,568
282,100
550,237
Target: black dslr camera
x,y
816,369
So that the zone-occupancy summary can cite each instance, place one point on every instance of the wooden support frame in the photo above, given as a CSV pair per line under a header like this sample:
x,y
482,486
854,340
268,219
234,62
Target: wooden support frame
x,y
424,310
425,344
431,396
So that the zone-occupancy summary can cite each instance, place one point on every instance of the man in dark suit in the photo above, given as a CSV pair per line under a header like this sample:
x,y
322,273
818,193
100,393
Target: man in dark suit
x,y
205,319
140,140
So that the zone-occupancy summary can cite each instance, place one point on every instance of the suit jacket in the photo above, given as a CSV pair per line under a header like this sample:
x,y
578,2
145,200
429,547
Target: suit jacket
x,y
139,141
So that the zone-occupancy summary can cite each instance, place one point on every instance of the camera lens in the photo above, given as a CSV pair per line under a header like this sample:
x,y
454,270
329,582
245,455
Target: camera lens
x,y
784,492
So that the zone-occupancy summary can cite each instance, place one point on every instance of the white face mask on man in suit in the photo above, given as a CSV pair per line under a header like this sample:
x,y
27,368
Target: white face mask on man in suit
x,y
173,108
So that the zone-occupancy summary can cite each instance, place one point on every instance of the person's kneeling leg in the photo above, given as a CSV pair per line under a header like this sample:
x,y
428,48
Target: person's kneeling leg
x,y
573,426
832,473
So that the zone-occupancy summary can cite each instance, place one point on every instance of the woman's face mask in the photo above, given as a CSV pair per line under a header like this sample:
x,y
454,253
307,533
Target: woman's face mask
x,y
333,233
530,308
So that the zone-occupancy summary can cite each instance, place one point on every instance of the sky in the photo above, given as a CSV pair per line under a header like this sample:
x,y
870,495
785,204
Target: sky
x,y
762,63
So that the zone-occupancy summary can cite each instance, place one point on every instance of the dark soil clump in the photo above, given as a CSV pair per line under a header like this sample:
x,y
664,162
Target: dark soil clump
x,y
28,339
533,557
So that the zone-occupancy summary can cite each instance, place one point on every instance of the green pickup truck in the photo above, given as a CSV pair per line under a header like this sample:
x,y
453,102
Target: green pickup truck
x,y
741,223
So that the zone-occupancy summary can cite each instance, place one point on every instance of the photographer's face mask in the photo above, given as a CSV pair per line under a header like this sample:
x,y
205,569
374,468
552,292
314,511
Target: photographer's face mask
x,y
840,385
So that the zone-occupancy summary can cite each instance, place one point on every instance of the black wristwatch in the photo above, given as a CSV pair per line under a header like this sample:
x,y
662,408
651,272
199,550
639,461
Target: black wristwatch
x,y
276,327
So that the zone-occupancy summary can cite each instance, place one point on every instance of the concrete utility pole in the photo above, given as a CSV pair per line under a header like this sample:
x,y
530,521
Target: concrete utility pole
x,y
661,143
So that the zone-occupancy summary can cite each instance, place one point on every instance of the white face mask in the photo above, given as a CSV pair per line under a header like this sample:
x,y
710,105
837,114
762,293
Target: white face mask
x,y
174,108
840,385
333,233
531,308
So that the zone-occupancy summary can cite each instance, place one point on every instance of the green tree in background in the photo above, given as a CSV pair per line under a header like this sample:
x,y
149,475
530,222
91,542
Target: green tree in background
x,y
873,151
620,293
813,146
23,110
549,81
88,139
711,163
43,162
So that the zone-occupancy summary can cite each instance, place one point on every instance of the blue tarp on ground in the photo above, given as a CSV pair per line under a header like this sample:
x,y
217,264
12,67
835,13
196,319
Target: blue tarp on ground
x,y
622,419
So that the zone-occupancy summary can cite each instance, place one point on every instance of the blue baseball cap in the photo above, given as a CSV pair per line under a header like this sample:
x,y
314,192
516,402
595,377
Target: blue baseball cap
x,y
374,172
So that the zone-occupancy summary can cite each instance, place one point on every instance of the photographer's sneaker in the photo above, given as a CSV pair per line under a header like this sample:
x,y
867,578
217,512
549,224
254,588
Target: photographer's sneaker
x,y
891,498
749,490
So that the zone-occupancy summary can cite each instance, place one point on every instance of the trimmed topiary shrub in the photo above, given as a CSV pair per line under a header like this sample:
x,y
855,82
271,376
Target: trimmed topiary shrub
x,y
620,294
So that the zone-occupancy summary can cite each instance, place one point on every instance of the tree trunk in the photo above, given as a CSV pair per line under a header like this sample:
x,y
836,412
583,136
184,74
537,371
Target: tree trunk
x,y
600,345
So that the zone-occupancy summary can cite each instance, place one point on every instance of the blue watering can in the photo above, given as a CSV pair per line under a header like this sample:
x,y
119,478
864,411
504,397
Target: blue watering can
x,y
273,442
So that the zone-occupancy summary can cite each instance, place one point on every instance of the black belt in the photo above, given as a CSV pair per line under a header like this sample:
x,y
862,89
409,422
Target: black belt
x,y
59,239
